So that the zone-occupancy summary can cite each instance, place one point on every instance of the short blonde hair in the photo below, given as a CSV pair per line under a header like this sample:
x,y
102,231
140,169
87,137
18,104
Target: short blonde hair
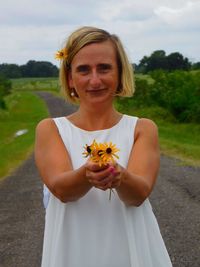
x,y
88,35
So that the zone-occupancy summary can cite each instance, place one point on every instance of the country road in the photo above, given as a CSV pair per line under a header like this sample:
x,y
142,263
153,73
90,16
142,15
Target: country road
x,y
175,200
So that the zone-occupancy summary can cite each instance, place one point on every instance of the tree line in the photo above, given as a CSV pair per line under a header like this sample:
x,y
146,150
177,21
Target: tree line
x,y
31,69
159,60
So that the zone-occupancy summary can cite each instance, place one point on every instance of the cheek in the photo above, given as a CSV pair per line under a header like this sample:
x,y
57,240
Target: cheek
x,y
82,79
79,82
114,80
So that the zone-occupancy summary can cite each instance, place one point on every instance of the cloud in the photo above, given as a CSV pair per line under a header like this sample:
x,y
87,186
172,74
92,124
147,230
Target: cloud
x,y
35,29
184,17
46,12
20,44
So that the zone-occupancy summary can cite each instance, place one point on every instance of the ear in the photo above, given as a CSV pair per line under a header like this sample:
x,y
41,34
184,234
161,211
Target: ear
x,y
70,80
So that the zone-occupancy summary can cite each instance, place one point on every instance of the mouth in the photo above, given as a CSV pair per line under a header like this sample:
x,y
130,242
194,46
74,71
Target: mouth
x,y
93,91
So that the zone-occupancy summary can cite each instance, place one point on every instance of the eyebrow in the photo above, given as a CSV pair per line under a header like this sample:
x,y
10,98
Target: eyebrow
x,y
82,67
105,65
101,65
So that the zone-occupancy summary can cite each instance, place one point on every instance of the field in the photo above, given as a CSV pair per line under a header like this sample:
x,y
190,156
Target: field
x,y
17,124
180,140
35,84
25,109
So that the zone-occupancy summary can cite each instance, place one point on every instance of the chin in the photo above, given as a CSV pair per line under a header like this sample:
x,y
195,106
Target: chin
x,y
101,100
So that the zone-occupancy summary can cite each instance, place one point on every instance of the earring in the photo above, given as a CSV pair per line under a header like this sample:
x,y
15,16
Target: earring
x,y
72,94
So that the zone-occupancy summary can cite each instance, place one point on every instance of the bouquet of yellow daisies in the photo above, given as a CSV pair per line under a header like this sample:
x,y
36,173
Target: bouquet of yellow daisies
x,y
101,153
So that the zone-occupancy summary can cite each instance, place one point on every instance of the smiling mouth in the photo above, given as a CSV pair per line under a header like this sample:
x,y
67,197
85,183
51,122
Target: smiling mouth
x,y
95,91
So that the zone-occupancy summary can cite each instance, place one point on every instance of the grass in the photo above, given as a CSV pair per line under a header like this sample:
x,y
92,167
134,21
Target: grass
x,y
36,84
145,77
176,139
25,110
181,141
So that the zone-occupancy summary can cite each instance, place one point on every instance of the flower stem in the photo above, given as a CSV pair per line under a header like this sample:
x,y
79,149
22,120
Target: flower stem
x,y
110,193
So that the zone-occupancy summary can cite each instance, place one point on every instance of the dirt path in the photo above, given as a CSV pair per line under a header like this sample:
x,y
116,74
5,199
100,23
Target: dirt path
x,y
175,200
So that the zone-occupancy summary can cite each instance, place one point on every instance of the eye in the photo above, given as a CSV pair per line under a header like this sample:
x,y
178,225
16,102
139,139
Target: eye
x,y
83,69
104,68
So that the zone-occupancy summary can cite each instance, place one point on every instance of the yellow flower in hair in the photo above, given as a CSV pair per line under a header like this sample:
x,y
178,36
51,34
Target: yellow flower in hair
x,y
61,54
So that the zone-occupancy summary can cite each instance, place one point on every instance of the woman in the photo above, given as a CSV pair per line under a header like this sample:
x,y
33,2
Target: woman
x,y
83,228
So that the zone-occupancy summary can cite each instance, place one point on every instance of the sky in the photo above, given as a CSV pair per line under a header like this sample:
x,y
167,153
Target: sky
x,y
36,29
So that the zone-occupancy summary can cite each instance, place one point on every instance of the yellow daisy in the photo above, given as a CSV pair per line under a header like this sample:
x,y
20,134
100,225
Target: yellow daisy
x,y
97,153
109,152
61,54
89,149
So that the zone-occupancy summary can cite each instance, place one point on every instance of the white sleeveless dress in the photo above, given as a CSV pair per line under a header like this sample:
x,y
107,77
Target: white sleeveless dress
x,y
96,232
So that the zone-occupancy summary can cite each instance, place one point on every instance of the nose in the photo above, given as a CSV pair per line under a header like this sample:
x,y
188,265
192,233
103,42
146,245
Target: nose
x,y
95,80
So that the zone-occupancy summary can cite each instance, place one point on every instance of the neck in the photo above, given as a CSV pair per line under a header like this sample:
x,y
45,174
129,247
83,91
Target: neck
x,y
96,119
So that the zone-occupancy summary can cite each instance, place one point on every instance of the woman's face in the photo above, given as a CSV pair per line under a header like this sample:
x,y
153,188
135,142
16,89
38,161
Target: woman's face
x,y
94,73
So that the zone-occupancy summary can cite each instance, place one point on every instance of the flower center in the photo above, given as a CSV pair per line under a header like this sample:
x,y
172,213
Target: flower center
x,y
99,153
89,150
108,150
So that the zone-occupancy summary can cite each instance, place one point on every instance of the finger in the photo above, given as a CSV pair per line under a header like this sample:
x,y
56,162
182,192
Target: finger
x,y
99,176
104,187
103,183
95,167
115,184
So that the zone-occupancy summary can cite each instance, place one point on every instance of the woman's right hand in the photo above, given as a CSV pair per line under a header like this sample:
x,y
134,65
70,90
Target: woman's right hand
x,y
101,177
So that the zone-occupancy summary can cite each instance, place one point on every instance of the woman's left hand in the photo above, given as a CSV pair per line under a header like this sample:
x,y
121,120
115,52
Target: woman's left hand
x,y
104,177
116,171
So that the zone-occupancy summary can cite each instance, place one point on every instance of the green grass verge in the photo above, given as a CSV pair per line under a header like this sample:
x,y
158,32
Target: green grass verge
x,y
176,139
145,77
25,110
36,84
181,141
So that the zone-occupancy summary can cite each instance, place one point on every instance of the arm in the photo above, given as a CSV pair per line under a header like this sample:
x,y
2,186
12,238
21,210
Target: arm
x,y
138,179
54,164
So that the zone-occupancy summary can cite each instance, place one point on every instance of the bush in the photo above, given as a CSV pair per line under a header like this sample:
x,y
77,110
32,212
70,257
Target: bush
x,y
179,92
5,89
176,92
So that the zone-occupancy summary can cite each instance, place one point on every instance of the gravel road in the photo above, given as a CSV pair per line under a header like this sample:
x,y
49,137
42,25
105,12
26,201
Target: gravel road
x,y
175,200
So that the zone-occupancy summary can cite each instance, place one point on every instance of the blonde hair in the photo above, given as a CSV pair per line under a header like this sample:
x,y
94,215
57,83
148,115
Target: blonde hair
x,y
88,35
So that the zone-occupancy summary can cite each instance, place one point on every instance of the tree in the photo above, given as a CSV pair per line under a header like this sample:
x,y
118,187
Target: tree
x,y
196,66
31,69
10,70
177,61
39,69
5,89
158,60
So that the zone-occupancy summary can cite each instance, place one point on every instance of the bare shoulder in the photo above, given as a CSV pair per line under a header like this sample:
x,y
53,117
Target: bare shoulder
x,y
45,125
146,127
46,128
